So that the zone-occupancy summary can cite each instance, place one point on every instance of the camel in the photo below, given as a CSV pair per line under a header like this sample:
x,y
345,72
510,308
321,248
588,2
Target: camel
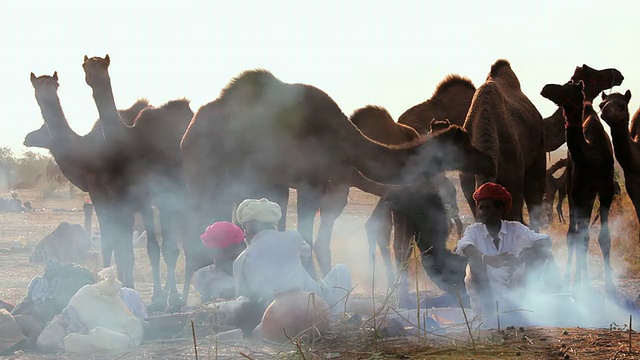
x,y
80,160
590,174
615,112
68,243
149,165
555,185
505,125
53,173
26,184
262,134
553,130
451,100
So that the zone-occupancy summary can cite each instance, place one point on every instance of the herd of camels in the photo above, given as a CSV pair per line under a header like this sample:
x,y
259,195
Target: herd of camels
x,y
262,136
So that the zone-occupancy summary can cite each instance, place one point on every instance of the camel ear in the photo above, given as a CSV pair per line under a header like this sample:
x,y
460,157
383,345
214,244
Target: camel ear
x,y
33,77
627,96
55,75
604,96
106,58
86,58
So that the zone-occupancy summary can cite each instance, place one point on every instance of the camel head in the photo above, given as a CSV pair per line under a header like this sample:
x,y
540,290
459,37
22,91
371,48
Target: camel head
x,y
453,151
615,109
40,138
596,81
570,96
96,70
45,86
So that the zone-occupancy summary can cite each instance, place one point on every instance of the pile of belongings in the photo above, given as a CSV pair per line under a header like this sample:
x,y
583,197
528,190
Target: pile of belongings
x,y
46,297
66,310
96,319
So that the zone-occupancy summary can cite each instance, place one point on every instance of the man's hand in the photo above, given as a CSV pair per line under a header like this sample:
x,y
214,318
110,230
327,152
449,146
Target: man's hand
x,y
501,260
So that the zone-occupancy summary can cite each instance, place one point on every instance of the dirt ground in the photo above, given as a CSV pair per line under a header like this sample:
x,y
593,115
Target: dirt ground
x,y
19,232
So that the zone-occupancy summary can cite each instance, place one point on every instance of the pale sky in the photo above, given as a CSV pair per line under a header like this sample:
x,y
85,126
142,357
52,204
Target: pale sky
x,y
387,53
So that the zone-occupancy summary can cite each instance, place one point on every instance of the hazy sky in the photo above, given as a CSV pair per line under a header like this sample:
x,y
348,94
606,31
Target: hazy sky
x,y
388,53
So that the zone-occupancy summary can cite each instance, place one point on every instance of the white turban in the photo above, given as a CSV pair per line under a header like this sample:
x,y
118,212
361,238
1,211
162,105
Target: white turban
x,y
261,210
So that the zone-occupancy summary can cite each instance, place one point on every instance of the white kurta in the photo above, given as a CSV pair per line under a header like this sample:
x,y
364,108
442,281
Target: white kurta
x,y
514,237
273,263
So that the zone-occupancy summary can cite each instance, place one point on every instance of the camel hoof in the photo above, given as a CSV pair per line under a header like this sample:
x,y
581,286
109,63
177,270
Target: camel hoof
x,y
175,302
159,295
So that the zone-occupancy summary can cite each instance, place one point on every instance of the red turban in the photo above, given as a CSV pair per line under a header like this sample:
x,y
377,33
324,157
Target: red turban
x,y
222,234
493,191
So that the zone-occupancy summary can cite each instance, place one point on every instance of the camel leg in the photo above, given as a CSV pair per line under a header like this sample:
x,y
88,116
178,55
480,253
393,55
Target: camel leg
x,y
123,249
196,256
534,183
170,250
402,235
105,223
378,228
468,185
333,203
308,203
562,193
153,249
604,237
459,226
583,211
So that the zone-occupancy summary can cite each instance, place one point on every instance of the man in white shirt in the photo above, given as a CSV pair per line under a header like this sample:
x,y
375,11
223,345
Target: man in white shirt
x,y
502,252
273,260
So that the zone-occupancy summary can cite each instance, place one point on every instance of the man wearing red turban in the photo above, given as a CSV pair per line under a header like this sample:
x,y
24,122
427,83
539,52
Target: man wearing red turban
x,y
216,281
501,252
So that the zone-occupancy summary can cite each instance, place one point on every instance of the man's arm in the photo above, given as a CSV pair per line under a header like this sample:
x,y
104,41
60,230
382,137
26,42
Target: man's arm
x,y
303,246
531,238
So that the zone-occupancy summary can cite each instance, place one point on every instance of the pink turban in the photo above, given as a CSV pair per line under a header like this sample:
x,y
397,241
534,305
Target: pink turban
x,y
222,234
493,191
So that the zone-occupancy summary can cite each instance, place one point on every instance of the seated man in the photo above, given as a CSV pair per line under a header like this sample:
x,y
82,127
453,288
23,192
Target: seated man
x,y
15,204
504,256
273,260
216,281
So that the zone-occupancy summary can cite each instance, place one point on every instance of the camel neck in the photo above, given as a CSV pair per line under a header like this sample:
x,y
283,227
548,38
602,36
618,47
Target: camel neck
x,y
553,127
624,149
109,116
384,164
576,141
54,118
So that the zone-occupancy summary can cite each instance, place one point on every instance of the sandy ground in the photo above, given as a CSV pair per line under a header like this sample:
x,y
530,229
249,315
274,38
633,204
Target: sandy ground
x,y
20,232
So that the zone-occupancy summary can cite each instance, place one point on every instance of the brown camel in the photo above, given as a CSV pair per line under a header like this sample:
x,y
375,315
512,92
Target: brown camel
x,y
590,174
80,160
615,112
393,209
149,165
53,173
555,185
553,130
262,134
504,124
451,100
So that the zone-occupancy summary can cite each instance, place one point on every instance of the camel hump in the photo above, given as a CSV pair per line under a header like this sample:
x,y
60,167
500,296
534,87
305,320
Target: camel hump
x,y
249,80
371,113
453,81
177,105
501,72
128,115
